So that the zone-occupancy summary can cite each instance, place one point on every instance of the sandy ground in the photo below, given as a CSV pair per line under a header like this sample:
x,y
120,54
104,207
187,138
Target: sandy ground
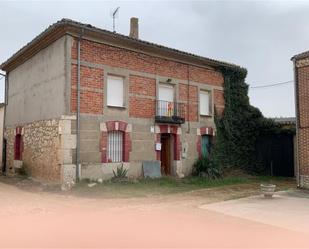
x,y
41,219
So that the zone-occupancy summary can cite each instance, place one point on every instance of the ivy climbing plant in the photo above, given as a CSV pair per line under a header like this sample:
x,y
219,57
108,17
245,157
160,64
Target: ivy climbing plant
x,y
240,124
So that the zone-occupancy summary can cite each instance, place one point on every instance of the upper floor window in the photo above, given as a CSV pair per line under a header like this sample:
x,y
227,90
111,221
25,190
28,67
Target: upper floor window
x,y
115,93
205,103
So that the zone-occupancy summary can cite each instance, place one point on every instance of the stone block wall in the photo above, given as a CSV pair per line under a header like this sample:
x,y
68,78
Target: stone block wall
x,y
143,135
46,149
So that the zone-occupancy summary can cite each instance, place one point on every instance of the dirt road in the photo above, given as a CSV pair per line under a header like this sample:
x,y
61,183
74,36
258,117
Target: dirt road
x,y
41,219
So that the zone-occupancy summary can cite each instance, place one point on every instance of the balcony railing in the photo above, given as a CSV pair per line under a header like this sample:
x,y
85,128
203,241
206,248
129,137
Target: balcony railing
x,y
170,112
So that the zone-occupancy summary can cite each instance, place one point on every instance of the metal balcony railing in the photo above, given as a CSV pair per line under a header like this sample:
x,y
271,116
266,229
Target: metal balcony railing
x,y
170,112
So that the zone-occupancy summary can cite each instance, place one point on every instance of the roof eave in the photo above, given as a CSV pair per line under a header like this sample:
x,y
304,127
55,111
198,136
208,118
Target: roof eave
x,y
40,42
140,43
300,56
56,30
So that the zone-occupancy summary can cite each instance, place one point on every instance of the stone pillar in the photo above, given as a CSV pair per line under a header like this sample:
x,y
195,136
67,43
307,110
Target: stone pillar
x,y
68,144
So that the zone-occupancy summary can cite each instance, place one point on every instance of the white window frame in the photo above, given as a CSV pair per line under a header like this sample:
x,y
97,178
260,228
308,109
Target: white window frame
x,y
111,97
207,110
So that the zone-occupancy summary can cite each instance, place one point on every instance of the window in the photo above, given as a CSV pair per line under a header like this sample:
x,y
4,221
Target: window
x,y
115,95
204,103
17,147
115,146
206,145
166,100
166,93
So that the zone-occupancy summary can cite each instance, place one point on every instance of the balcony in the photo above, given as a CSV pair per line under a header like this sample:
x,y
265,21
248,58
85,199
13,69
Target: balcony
x,y
170,112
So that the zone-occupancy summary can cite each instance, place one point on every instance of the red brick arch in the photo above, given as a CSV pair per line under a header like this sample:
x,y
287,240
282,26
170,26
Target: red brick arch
x,y
115,126
172,129
203,131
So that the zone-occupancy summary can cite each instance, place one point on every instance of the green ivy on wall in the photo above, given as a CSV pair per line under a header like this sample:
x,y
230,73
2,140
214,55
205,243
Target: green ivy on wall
x,y
240,124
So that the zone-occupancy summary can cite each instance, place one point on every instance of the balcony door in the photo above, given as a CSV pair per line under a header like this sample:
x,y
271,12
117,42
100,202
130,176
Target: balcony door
x,y
166,100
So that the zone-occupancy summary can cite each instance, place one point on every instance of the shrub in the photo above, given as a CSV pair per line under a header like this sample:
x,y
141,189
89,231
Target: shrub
x,y
206,167
120,174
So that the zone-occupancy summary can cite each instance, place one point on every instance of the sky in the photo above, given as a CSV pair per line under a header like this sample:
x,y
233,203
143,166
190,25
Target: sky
x,y
261,36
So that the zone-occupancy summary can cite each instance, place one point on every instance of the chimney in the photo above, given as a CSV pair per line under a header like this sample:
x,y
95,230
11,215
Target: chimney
x,y
134,28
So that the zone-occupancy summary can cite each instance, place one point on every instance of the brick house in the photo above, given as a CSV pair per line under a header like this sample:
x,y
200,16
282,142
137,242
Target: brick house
x,y
301,78
80,95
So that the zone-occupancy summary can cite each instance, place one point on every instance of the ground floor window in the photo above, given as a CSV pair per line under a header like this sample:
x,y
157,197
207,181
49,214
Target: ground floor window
x,y
115,146
206,145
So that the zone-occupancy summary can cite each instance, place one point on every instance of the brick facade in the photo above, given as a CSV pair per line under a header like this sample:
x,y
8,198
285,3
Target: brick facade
x,y
92,90
302,87
143,73
142,90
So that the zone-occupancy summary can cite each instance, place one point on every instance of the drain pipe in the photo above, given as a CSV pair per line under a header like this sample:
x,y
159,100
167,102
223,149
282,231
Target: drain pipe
x,y
296,120
188,98
78,109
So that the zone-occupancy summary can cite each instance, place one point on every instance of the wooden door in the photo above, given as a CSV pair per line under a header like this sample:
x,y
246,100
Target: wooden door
x,y
165,154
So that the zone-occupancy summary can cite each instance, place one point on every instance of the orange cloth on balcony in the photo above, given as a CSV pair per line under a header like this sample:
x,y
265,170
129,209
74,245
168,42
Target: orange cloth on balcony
x,y
170,109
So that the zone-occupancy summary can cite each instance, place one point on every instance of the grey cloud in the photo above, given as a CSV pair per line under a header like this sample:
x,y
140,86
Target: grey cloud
x,y
259,35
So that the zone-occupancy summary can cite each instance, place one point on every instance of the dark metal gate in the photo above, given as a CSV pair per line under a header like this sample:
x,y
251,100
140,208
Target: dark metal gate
x,y
275,153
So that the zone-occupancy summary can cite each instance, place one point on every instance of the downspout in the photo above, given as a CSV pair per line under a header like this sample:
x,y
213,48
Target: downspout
x,y
78,109
296,121
188,98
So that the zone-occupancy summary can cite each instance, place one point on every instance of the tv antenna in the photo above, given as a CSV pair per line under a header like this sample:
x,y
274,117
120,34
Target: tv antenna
x,y
114,16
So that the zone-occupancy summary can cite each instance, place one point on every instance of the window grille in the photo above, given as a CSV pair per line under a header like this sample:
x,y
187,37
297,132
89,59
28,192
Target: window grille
x,y
115,146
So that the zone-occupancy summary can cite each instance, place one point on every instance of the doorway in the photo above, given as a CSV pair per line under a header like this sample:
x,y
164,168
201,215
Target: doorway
x,y
166,153
206,145
4,157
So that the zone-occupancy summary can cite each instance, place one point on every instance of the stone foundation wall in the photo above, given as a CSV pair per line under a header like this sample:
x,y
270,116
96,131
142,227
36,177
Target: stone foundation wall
x,y
304,181
46,148
143,134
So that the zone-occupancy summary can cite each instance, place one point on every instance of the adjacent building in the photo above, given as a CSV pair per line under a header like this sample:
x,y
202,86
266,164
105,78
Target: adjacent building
x,y
2,142
80,95
301,71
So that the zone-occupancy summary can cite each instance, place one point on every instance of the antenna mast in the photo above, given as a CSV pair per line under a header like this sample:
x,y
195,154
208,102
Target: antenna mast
x,y
114,16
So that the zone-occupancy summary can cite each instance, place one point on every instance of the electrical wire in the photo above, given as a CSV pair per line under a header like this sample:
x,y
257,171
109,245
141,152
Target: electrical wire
x,y
272,85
